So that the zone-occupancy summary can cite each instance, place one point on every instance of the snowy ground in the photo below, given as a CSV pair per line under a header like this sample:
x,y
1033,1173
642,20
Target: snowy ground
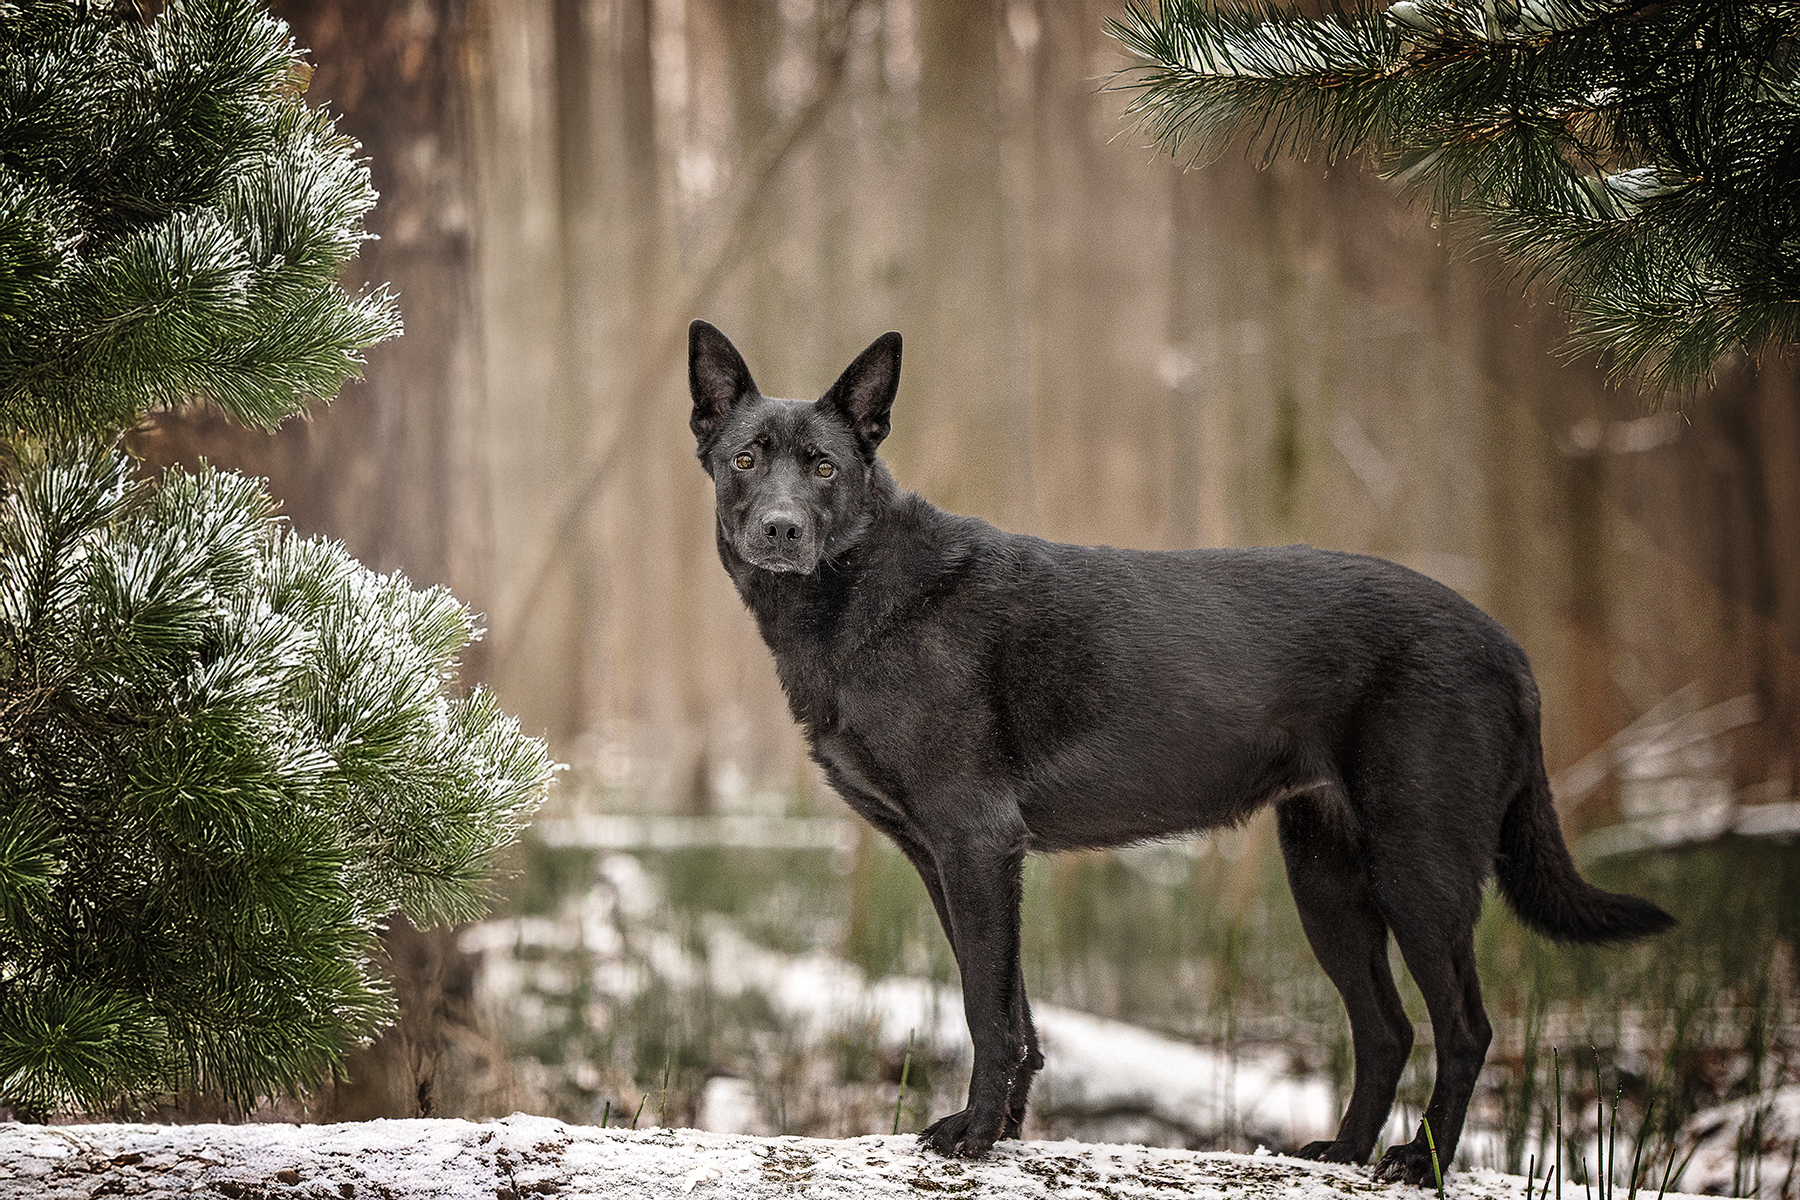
x,y
525,1156
1094,1064
1106,1080
1717,1137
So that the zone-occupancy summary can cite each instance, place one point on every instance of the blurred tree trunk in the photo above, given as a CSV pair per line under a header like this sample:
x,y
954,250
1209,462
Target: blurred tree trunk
x,y
1086,231
608,205
397,469
1777,433
962,342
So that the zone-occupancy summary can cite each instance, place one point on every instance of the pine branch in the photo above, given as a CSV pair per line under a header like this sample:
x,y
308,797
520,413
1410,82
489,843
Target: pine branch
x,y
1642,157
228,754
173,222
1290,84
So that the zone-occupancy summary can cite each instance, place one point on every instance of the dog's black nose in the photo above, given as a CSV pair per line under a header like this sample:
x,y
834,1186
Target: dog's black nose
x,y
781,527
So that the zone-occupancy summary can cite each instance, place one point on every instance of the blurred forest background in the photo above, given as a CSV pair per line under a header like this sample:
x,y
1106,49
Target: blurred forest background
x,y
1101,347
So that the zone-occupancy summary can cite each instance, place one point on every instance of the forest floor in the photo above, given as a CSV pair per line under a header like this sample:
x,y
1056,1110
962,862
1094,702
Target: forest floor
x,y
523,1156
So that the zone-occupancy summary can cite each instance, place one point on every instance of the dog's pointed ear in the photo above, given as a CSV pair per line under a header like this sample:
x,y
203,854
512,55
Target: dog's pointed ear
x,y
717,379
865,391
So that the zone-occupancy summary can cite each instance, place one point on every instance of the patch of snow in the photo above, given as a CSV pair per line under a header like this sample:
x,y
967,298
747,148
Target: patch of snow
x,y
650,831
1747,1147
1100,1064
728,1105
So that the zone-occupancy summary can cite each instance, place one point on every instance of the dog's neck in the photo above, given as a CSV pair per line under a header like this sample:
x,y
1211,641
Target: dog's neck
x,y
824,617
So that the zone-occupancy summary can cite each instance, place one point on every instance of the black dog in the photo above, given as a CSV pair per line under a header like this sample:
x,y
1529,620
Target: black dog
x,y
976,695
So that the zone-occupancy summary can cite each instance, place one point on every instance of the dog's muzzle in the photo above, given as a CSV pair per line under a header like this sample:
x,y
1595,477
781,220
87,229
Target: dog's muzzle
x,y
780,541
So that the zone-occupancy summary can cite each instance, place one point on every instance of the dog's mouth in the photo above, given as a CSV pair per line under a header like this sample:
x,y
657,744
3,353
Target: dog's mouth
x,y
782,565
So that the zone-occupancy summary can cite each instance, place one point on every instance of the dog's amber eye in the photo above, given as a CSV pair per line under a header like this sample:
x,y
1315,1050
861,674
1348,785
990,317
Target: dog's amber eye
x,y
826,469
743,462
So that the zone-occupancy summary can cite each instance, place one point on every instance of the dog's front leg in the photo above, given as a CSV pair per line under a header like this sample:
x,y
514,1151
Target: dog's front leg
x,y
979,873
925,863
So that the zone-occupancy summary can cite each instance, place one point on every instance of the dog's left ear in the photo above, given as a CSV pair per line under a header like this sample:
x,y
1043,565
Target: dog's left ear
x,y
717,379
865,391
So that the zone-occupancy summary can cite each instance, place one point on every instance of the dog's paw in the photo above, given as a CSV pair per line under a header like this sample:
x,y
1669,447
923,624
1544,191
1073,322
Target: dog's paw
x,y
961,1135
1409,1163
1333,1152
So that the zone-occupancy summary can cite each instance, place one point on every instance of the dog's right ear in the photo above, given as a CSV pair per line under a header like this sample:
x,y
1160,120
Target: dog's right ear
x,y
717,379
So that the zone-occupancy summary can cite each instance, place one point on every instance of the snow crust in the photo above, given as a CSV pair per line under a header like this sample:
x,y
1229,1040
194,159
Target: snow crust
x,y
523,1156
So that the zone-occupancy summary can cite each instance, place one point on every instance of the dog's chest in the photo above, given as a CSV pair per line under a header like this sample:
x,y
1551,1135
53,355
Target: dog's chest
x,y
868,785
886,730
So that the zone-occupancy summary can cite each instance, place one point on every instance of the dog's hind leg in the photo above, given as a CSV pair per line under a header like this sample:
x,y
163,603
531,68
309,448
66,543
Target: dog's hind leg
x,y
1440,955
1432,793
1350,938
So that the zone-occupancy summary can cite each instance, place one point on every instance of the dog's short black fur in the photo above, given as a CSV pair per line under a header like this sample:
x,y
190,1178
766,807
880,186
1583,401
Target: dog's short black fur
x,y
976,695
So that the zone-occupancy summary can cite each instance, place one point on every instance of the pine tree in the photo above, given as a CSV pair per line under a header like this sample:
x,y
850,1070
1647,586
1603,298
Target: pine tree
x,y
227,753
1643,157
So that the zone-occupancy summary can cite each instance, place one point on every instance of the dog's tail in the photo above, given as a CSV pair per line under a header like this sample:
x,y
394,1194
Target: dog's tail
x,y
1538,877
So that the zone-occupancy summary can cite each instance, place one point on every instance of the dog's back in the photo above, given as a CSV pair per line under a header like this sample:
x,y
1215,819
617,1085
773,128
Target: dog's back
x,y
1126,694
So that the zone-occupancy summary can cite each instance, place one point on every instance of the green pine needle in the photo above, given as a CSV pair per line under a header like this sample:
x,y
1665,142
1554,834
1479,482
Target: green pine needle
x,y
173,221
227,754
